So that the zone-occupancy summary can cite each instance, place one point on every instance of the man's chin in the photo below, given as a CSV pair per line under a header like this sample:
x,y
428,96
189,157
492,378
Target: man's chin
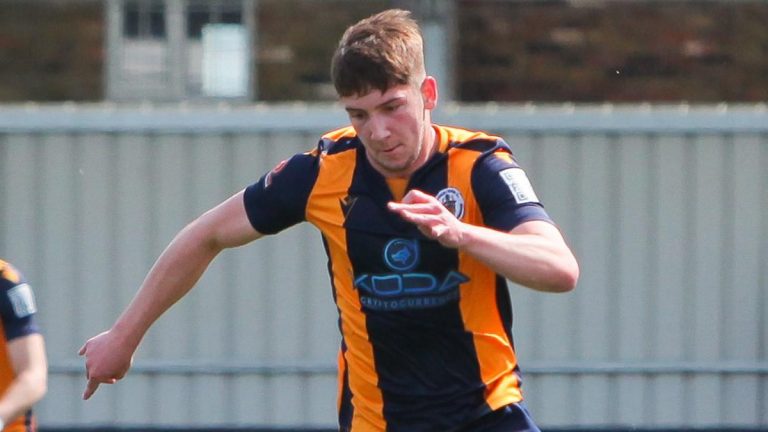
x,y
392,166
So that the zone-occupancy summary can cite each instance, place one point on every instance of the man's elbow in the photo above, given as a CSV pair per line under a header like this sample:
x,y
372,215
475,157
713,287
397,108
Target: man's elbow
x,y
565,283
561,277
566,278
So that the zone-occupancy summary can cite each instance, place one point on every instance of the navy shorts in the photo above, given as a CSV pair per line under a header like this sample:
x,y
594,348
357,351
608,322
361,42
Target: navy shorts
x,y
511,418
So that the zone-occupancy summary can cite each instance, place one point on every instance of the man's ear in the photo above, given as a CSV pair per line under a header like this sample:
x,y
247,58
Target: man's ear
x,y
429,92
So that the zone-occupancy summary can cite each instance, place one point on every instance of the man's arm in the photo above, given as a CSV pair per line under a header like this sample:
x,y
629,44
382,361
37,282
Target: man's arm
x,y
27,354
533,254
108,356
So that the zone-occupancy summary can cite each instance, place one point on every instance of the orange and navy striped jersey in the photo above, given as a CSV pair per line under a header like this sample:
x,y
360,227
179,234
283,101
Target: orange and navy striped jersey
x,y
426,330
17,318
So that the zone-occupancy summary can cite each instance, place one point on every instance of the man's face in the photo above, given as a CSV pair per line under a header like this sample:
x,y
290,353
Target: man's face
x,y
394,126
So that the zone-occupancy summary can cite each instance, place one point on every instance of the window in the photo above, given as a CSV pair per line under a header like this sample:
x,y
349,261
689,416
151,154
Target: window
x,y
165,50
144,19
144,51
201,13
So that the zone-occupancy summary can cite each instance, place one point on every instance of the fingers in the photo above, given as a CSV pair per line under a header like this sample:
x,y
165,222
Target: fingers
x,y
411,210
422,210
430,217
94,379
416,201
418,215
415,212
431,225
93,384
90,388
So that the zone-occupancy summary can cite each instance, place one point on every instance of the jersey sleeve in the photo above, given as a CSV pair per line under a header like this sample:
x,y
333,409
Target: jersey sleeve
x,y
17,306
279,199
504,193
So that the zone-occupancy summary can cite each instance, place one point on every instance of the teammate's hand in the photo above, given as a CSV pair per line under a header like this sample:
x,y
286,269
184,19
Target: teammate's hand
x,y
106,361
430,216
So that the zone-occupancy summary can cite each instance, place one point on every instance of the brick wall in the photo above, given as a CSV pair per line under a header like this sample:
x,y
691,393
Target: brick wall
x,y
511,51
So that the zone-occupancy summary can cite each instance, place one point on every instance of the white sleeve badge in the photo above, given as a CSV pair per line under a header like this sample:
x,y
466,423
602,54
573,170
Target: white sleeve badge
x,y
519,185
22,300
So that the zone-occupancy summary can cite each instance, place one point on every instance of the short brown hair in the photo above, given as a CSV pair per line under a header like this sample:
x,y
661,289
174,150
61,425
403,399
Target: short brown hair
x,y
378,52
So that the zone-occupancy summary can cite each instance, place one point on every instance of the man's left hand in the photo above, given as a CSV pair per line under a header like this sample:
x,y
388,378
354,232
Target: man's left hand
x,y
430,216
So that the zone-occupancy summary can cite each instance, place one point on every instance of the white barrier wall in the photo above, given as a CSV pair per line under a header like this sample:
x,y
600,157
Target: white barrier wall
x,y
666,208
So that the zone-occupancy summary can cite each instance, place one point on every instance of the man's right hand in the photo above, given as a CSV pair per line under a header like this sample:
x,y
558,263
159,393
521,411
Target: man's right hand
x,y
107,359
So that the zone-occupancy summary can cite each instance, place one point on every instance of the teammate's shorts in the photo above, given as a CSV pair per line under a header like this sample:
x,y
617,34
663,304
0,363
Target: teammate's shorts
x,y
511,418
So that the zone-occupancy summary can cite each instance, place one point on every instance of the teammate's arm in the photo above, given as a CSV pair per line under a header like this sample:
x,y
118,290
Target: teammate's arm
x,y
533,254
27,354
108,356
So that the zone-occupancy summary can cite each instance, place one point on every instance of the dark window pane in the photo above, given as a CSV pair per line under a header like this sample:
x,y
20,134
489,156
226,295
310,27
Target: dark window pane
x,y
196,19
231,17
131,20
157,23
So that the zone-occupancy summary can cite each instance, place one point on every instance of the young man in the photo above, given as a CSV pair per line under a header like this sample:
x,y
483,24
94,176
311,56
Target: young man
x,y
23,365
422,224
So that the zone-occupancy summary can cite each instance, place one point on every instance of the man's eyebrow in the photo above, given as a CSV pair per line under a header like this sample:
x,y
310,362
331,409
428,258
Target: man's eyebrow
x,y
386,102
390,100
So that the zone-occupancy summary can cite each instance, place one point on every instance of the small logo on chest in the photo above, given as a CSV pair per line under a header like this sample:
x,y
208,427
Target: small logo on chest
x,y
401,255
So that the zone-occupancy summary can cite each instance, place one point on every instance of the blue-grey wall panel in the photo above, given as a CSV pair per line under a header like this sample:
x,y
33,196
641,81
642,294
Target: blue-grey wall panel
x,y
666,208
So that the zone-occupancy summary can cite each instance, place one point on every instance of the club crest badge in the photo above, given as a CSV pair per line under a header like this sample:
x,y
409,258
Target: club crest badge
x,y
451,199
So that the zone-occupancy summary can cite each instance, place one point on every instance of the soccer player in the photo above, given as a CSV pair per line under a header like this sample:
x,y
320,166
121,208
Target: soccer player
x,y
422,224
23,364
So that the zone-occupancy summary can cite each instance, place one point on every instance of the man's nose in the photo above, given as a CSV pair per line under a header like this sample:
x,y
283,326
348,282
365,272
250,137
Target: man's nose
x,y
379,128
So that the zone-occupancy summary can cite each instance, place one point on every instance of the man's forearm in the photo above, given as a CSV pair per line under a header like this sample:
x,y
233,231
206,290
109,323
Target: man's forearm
x,y
533,260
174,274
